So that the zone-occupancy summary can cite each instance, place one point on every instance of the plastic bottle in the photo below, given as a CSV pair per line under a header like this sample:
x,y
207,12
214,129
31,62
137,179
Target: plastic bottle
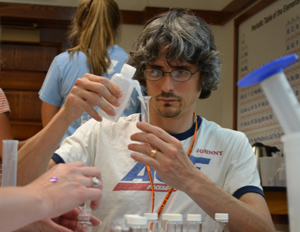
x,y
193,223
9,162
137,223
221,222
174,223
152,221
126,84
280,178
164,221
83,223
119,225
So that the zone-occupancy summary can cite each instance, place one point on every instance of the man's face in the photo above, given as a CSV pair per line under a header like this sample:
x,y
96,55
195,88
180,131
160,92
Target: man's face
x,y
171,98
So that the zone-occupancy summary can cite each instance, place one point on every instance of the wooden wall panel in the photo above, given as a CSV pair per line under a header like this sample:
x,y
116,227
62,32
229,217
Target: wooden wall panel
x,y
22,75
25,106
22,80
27,57
25,130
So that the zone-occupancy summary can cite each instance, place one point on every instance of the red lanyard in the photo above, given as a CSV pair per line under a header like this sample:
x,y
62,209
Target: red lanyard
x,y
163,204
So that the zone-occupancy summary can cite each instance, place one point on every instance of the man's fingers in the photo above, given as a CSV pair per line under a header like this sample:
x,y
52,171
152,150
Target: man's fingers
x,y
102,86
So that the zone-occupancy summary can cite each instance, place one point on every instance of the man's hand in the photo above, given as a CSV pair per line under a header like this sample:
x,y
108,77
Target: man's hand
x,y
88,92
171,162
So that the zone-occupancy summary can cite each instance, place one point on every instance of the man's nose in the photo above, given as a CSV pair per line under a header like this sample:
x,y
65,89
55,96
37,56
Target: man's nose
x,y
167,83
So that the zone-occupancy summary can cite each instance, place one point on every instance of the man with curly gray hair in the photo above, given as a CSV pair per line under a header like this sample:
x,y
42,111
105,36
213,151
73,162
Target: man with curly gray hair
x,y
179,162
186,38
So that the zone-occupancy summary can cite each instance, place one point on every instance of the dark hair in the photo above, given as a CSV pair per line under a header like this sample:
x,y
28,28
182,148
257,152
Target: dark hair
x,y
187,38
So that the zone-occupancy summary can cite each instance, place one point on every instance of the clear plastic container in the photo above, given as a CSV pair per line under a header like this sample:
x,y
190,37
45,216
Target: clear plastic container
x,y
291,151
9,162
137,223
194,223
221,224
164,221
174,223
126,84
145,110
83,223
119,225
152,219
280,177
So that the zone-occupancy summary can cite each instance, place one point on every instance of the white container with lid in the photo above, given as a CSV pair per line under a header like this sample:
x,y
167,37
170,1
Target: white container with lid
x,y
152,221
126,84
194,223
164,220
137,223
174,223
221,222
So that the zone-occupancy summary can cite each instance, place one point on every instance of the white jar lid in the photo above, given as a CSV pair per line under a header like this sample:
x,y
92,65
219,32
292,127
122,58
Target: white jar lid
x,y
140,221
194,217
165,216
221,216
151,216
175,218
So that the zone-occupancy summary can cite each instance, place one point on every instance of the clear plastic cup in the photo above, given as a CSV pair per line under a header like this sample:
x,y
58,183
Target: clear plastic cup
x,y
291,150
268,168
9,162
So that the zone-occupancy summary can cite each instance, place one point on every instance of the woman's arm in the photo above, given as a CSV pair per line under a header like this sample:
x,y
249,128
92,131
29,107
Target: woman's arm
x,y
48,112
44,199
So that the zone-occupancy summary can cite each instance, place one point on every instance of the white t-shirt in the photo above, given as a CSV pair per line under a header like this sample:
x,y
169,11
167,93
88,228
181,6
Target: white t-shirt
x,y
224,155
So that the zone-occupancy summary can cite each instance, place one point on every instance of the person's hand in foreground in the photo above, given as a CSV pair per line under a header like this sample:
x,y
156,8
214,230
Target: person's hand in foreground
x,y
64,223
56,192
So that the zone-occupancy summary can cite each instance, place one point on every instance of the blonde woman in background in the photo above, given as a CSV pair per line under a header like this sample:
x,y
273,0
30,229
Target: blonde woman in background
x,y
93,36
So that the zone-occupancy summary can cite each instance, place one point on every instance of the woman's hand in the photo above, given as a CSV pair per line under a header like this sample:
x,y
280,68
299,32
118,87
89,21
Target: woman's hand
x,y
70,186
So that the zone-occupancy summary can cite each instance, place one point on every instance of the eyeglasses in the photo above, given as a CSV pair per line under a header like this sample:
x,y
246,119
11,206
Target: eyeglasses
x,y
176,75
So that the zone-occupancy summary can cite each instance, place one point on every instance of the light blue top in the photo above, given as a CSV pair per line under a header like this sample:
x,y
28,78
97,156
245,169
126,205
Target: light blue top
x,y
64,71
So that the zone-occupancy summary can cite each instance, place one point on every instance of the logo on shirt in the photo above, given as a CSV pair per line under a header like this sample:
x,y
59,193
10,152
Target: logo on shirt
x,y
208,152
137,179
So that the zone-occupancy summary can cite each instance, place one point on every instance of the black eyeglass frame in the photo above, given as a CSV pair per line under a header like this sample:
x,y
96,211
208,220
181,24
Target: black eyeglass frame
x,y
163,73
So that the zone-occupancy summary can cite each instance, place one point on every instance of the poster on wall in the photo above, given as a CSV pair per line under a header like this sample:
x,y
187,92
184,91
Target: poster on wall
x,y
271,33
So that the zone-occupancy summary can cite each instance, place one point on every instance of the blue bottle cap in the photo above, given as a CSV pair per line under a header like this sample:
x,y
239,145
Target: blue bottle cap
x,y
268,70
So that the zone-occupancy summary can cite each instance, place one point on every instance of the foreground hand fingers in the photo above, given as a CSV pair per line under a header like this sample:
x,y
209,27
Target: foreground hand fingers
x,y
75,164
95,221
91,171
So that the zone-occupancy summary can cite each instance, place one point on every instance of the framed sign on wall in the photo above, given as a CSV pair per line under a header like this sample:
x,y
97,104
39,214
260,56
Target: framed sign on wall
x,y
267,31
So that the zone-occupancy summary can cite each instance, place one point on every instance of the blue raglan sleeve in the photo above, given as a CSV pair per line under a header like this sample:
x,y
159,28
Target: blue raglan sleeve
x,y
51,88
